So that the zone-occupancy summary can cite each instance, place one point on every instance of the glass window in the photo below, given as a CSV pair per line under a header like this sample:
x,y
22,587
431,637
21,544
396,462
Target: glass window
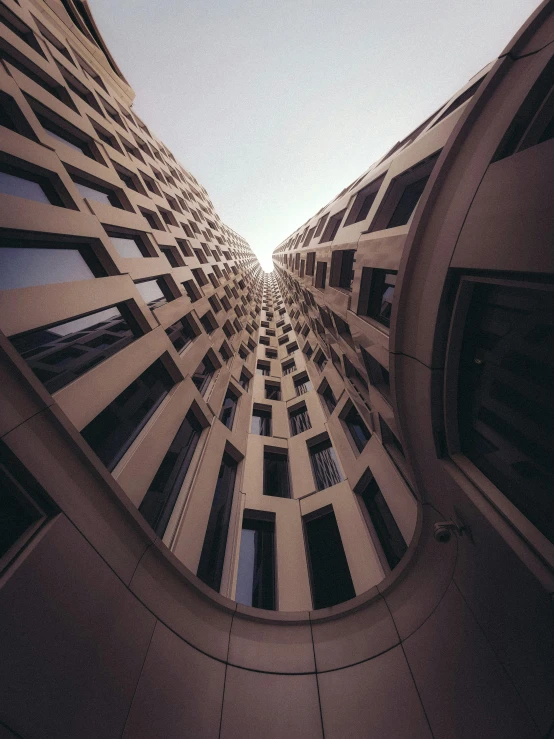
x,y
24,264
256,571
159,501
407,203
302,385
261,422
244,381
387,531
113,430
299,420
228,410
61,353
181,334
272,392
152,293
128,246
377,294
325,466
210,568
203,375
329,399
358,430
26,185
329,572
276,475
97,192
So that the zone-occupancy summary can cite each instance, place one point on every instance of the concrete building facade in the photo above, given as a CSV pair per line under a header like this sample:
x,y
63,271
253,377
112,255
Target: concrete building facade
x,y
310,503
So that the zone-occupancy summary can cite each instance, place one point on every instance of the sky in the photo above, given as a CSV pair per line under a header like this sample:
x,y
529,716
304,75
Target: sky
x,y
276,106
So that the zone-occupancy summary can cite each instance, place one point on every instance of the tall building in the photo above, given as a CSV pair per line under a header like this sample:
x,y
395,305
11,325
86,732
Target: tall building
x,y
305,504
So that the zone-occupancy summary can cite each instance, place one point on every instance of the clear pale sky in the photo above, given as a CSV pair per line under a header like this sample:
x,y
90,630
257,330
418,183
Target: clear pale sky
x,y
276,106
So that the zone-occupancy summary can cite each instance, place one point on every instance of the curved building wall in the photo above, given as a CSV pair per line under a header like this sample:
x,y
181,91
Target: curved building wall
x,y
146,443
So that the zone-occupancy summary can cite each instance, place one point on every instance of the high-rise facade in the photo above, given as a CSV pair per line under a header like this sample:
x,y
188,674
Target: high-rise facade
x,y
310,503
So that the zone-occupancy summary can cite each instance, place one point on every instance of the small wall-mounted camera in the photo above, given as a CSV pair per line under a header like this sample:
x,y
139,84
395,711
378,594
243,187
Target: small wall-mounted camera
x,y
443,530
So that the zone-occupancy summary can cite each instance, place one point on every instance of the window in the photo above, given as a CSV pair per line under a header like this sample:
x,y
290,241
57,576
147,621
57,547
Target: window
x,y
256,571
273,391
333,225
320,360
299,420
291,348
302,384
63,135
210,568
152,220
378,375
376,294
29,263
23,505
262,368
382,523
22,184
129,246
171,255
310,263
159,501
276,475
95,192
342,269
329,398
261,421
320,275
403,195
208,322
363,202
244,381
203,375
181,333
325,466
113,430
330,578
359,432
192,290
61,353
271,353
229,408
504,399
154,292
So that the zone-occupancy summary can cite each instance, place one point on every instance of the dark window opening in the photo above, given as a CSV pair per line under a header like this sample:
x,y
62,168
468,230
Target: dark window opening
x,y
210,568
203,375
302,384
159,501
229,409
325,466
181,334
332,227
256,570
100,194
376,294
272,391
329,398
61,353
276,475
299,420
22,184
388,534
261,422
154,292
330,577
358,430
113,430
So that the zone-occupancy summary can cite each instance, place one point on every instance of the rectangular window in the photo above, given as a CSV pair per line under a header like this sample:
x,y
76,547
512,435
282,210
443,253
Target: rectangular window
x,y
95,192
261,422
113,430
159,501
359,432
299,420
363,202
378,375
262,368
320,275
23,506
203,375
376,294
383,524
61,353
192,290
276,475
154,292
272,391
23,184
333,225
30,263
210,568
244,381
302,384
329,572
325,466
181,334
256,571
342,269
128,247
310,263
329,398
229,408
